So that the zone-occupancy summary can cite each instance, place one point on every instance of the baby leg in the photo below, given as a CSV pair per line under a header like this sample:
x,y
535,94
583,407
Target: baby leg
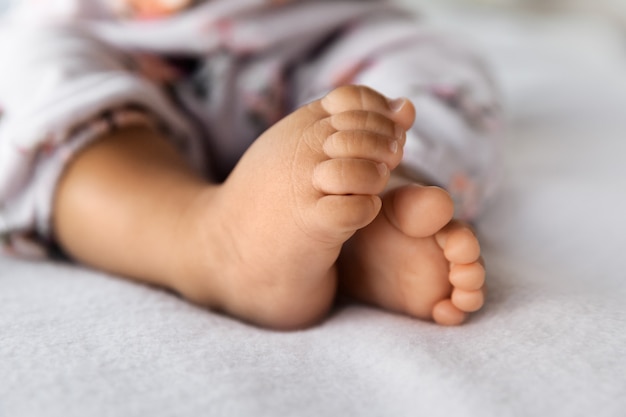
x,y
263,245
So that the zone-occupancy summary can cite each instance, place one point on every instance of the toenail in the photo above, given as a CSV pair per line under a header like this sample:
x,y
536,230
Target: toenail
x,y
398,132
396,104
393,146
382,169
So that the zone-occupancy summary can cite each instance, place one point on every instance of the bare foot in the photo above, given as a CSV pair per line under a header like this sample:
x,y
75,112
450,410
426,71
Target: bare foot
x,y
267,240
415,260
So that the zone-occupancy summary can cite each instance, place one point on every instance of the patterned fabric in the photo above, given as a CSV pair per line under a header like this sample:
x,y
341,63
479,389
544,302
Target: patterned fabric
x,y
217,74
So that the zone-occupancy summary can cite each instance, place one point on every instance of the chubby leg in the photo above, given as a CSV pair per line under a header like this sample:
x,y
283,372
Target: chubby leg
x,y
263,245
122,204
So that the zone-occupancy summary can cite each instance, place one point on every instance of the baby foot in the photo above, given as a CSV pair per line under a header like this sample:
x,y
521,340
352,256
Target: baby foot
x,y
415,260
299,192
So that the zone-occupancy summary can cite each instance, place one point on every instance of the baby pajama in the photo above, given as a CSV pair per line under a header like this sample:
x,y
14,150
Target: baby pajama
x,y
213,78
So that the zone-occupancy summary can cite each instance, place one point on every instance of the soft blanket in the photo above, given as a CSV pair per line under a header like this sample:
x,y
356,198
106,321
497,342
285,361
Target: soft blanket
x,y
550,342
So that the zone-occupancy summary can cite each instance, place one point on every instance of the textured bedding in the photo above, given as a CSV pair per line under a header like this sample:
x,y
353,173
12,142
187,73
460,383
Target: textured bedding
x,y
550,342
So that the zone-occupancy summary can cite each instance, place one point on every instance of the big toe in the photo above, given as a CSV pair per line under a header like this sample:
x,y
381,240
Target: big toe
x,y
418,211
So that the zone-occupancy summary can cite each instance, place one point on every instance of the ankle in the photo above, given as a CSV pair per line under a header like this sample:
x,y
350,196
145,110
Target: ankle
x,y
200,258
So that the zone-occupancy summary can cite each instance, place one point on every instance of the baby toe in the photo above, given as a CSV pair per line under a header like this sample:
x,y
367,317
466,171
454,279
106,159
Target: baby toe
x,y
468,301
350,176
346,213
418,211
468,277
459,243
355,97
446,313
361,120
364,145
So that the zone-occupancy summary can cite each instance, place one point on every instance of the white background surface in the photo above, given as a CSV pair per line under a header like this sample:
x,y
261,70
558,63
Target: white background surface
x,y
550,342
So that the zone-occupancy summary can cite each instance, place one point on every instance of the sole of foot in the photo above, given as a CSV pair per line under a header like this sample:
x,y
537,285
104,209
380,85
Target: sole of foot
x,y
265,243
415,259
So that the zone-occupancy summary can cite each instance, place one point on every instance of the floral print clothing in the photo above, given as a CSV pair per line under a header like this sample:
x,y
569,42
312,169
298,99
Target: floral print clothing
x,y
213,77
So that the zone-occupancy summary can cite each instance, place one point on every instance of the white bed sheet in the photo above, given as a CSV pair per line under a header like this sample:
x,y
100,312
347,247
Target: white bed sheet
x,y
550,342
